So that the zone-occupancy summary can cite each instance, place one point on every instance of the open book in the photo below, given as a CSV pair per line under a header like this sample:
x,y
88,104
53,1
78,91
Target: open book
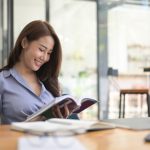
x,y
57,125
83,124
74,106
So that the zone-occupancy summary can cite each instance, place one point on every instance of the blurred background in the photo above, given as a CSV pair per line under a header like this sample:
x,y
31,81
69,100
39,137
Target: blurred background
x,y
96,36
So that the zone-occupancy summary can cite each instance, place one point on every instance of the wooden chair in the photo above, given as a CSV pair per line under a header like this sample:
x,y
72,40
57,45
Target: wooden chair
x,y
124,92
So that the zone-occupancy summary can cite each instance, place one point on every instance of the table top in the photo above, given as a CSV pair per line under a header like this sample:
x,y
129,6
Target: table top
x,y
112,139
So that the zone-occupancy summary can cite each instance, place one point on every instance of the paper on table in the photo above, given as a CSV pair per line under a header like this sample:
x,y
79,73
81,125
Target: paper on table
x,y
83,124
47,143
42,127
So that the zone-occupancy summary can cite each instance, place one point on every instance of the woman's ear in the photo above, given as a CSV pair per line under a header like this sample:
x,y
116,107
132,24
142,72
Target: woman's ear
x,y
24,42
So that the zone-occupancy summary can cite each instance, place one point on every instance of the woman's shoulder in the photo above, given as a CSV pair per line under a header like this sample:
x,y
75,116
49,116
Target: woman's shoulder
x,y
3,79
4,74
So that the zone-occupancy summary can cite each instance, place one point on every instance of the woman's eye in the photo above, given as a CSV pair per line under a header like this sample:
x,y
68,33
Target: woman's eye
x,y
41,50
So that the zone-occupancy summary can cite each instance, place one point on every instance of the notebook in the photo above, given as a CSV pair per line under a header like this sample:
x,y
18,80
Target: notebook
x,y
84,124
57,125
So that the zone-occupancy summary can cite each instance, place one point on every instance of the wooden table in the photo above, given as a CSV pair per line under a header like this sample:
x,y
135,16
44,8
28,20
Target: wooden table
x,y
113,139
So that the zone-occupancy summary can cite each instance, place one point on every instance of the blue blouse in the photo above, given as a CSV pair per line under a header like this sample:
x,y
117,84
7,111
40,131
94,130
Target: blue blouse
x,y
17,100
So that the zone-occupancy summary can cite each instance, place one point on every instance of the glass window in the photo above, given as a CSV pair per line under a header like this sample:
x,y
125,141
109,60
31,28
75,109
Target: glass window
x,y
127,28
75,23
3,32
27,11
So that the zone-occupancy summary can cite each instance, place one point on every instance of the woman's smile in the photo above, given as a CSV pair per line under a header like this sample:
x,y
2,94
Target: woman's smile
x,y
38,62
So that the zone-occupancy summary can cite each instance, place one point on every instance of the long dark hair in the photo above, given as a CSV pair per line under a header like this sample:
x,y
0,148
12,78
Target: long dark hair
x,y
49,72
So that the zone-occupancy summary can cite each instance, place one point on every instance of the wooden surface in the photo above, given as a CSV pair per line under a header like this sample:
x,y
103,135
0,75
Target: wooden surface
x,y
113,139
134,91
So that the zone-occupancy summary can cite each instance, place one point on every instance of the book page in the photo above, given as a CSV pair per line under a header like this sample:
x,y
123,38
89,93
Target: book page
x,y
47,143
40,127
71,122
87,125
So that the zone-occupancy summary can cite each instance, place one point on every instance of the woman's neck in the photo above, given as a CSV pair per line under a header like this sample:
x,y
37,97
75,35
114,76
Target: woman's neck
x,y
24,71
30,77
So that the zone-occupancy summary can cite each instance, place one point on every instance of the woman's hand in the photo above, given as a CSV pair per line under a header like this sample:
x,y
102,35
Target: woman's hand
x,y
58,113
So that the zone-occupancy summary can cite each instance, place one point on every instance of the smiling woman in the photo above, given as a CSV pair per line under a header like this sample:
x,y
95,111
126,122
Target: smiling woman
x,y
36,53
30,79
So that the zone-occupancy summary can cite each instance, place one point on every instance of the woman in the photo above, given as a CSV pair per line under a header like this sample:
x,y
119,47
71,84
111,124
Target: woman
x,y
30,79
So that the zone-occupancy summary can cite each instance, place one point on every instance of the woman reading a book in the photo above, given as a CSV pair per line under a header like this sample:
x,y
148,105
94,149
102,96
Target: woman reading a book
x,y
30,79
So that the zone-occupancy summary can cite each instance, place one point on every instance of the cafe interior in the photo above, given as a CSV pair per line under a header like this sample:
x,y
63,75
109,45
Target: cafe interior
x,y
106,49
106,56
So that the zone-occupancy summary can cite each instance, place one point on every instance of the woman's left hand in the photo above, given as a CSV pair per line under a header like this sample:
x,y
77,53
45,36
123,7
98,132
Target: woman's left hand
x,y
56,111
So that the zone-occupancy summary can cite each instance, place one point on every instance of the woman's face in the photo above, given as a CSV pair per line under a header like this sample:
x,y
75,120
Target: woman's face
x,y
36,53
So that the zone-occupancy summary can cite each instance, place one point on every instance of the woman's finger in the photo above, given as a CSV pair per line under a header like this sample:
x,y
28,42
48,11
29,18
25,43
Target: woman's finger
x,y
66,111
59,112
53,112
